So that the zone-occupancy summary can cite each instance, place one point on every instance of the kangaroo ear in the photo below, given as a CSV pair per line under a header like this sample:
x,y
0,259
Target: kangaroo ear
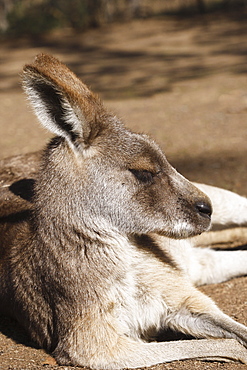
x,y
62,103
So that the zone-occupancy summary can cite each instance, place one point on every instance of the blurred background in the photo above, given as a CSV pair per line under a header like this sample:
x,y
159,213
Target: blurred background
x,y
175,69
34,17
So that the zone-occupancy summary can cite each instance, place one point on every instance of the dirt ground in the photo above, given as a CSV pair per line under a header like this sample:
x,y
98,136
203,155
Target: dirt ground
x,y
183,81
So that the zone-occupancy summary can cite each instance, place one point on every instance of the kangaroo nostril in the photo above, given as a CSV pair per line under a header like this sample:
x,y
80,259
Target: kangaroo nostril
x,y
204,209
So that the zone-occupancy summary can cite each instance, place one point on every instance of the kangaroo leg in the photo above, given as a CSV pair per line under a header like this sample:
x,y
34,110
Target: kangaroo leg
x,y
101,339
217,266
199,316
193,313
207,266
204,265
136,355
205,349
107,347
227,237
211,266
116,351
132,354
229,209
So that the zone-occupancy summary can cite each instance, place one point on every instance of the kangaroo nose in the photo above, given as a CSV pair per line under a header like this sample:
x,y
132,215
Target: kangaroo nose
x,y
205,209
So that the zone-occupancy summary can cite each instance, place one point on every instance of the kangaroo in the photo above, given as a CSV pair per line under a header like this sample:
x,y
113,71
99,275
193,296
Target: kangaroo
x,y
97,254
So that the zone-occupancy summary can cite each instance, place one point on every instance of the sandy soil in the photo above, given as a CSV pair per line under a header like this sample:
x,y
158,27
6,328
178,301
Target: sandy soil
x,y
183,81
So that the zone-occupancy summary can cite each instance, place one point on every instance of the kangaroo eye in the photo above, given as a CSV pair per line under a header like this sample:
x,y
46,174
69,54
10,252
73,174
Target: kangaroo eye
x,y
144,176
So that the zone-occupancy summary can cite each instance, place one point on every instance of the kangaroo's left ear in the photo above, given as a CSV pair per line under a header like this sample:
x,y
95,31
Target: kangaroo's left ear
x,y
62,103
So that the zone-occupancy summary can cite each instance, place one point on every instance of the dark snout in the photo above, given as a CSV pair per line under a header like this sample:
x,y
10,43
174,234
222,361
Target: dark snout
x,y
200,209
204,209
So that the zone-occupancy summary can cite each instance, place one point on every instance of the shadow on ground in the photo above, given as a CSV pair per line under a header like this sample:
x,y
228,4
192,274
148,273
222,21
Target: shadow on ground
x,y
216,169
144,60
13,330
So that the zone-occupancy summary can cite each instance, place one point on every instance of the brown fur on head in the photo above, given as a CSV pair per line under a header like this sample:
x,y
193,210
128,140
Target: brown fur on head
x,y
120,180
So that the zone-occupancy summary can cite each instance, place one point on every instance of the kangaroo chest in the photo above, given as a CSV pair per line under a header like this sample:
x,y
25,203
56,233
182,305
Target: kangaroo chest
x,y
135,301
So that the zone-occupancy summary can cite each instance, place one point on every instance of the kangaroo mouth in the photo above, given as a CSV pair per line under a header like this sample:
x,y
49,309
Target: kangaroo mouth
x,y
185,229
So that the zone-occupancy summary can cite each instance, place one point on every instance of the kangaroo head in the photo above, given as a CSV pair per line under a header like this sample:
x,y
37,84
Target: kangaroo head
x,y
97,174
